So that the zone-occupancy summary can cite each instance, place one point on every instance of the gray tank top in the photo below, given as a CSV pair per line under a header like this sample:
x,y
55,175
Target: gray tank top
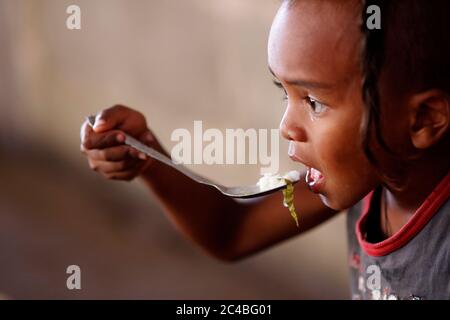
x,y
414,263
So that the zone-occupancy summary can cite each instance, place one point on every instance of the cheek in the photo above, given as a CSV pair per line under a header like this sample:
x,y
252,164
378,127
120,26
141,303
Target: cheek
x,y
349,175
340,153
338,141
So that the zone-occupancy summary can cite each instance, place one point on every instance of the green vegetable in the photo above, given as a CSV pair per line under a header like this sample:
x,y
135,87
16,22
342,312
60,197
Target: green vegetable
x,y
288,201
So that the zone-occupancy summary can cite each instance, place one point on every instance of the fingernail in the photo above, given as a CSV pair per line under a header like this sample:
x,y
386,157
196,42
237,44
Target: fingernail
x,y
142,156
291,150
120,138
99,123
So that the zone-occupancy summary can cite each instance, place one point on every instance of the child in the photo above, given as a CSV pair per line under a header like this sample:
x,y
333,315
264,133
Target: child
x,y
368,114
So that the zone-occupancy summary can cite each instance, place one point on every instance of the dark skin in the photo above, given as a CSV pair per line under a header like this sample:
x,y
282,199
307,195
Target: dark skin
x,y
224,228
300,47
423,134
312,53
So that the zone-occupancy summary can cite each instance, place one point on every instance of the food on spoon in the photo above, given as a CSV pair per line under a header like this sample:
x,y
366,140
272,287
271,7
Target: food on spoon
x,y
271,181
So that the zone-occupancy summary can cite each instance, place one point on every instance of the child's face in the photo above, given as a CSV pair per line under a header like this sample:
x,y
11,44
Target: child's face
x,y
314,50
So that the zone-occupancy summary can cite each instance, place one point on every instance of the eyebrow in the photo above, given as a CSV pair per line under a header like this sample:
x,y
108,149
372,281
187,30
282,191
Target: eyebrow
x,y
309,84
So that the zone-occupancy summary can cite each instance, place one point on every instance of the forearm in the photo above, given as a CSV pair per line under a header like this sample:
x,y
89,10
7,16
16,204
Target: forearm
x,y
268,222
200,212
225,228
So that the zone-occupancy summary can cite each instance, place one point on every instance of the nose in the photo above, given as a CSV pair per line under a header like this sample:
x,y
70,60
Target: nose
x,y
291,126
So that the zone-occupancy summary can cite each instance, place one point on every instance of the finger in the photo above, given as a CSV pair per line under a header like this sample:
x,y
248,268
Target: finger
x,y
147,137
109,167
85,130
127,174
124,175
136,154
83,149
110,118
116,153
109,139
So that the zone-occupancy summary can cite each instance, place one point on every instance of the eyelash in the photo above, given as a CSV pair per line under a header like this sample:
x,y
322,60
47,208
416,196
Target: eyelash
x,y
279,85
312,103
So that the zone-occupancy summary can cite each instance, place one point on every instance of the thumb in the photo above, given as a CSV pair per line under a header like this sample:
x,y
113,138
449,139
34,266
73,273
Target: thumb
x,y
109,119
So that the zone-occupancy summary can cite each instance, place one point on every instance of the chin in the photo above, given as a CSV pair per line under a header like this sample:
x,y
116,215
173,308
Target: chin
x,y
337,204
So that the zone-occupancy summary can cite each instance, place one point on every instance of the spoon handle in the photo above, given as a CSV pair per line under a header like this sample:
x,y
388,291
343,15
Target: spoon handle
x,y
152,153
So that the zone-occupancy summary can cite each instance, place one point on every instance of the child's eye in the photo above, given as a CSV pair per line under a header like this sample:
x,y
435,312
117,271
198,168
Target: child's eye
x,y
315,105
279,85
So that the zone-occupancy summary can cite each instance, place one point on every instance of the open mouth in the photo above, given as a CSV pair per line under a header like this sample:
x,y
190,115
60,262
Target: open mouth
x,y
314,179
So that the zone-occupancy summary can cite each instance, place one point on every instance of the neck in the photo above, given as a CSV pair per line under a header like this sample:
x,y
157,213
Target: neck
x,y
422,179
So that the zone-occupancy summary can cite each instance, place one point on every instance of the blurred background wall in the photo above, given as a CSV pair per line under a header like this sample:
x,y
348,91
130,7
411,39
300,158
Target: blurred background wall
x,y
176,61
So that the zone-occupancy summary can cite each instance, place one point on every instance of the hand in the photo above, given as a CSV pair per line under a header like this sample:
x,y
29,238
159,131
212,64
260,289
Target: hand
x,y
104,145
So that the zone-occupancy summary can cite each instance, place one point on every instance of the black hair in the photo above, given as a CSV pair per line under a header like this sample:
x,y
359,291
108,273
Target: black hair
x,y
412,47
372,59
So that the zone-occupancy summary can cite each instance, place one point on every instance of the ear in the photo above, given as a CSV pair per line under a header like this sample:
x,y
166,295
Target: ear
x,y
429,118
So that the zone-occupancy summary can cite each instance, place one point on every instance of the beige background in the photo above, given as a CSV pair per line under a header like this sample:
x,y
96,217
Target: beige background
x,y
176,61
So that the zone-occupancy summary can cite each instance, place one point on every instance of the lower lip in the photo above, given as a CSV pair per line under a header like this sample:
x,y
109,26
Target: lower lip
x,y
314,185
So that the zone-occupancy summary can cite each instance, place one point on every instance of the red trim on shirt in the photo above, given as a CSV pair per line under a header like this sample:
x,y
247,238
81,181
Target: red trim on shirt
x,y
415,224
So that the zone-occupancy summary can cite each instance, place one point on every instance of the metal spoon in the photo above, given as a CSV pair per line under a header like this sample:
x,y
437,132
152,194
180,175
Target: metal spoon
x,y
234,192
